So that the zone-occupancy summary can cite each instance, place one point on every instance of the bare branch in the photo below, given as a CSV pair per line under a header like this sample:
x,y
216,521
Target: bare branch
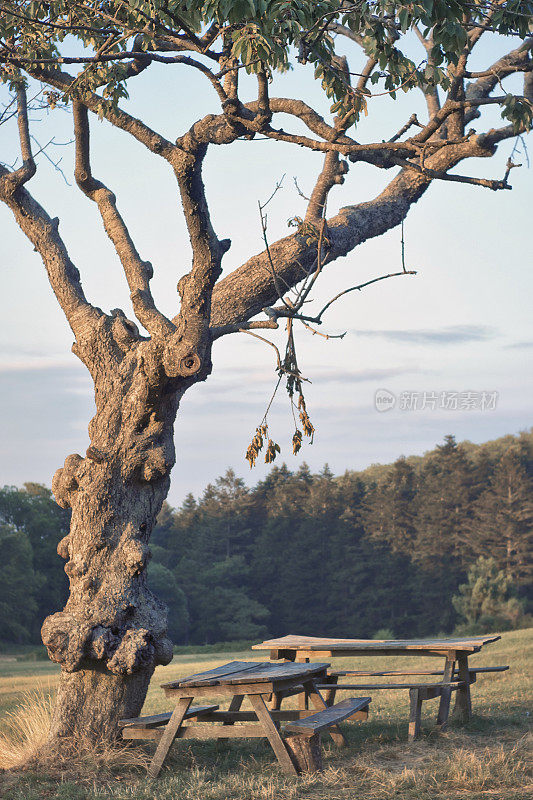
x,y
216,333
43,233
138,272
62,81
413,120
22,175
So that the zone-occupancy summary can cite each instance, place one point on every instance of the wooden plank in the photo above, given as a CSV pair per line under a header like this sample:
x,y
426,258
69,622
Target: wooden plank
x,y
269,672
253,672
329,716
383,674
168,735
488,669
368,652
218,672
278,745
278,715
200,732
317,643
359,686
230,689
161,719
342,673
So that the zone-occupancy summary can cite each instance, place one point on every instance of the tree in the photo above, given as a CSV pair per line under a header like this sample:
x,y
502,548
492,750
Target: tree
x,y
112,631
502,526
483,602
19,585
33,511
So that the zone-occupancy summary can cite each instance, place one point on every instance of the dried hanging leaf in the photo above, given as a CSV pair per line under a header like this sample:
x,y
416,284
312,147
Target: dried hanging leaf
x,y
296,441
256,445
272,450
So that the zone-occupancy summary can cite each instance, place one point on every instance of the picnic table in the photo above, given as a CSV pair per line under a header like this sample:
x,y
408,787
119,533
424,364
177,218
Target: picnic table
x,y
264,684
456,675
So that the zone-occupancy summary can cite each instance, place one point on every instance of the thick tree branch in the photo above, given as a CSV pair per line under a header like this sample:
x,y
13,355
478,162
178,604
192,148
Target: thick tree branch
x,y
250,288
138,272
43,233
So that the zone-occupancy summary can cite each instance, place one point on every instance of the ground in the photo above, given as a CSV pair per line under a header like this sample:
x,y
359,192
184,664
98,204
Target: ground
x,y
485,760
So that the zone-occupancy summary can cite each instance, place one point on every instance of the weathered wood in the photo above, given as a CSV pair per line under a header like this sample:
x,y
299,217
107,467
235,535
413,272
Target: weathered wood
x,y
161,719
463,705
330,715
330,689
234,706
305,643
400,672
246,673
488,669
352,686
415,713
218,672
200,732
278,745
306,752
168,736
278,715
230,689
318,701
445,697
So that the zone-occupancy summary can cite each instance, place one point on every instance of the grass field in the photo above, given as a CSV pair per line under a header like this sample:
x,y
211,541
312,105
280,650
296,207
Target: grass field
x,y
488,758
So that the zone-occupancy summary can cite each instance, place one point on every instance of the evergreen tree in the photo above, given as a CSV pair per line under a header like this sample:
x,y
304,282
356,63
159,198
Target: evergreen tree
x,y
483,602
502,525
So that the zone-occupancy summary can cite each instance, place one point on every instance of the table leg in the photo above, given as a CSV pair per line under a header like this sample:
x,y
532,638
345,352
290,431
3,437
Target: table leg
x,y
272,733
330,693
171,729
235,705
444,704
303,698
463,705
415,713
319,702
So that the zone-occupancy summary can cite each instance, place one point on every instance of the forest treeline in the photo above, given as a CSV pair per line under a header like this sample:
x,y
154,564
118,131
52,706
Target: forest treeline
x,y
410,549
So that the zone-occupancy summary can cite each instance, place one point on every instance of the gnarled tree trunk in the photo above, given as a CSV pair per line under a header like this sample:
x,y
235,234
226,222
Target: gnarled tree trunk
x,y
112,631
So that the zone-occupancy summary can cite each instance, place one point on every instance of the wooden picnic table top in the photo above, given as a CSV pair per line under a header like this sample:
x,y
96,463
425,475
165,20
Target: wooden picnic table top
x,y
470,644
248,672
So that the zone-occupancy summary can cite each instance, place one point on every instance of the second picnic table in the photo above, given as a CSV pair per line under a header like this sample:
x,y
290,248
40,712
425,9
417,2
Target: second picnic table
x,y
263,684
457,675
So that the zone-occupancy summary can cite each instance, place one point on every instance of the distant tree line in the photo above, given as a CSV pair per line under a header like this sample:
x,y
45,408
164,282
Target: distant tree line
x,y
410,549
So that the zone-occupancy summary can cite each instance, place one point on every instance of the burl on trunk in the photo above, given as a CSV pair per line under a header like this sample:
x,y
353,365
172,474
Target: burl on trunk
x,y
112,631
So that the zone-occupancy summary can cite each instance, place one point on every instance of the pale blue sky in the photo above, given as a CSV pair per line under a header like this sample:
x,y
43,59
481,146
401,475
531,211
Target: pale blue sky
x,y
462,324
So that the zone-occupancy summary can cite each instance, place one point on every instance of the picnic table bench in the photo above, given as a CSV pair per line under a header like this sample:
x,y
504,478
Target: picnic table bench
x,y
456,676
297,750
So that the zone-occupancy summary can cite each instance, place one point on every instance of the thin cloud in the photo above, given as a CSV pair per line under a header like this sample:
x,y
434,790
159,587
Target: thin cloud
x,y
518,345
452,334
361,376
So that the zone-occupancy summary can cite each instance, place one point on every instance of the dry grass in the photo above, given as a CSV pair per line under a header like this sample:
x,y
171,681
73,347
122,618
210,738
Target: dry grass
x,y
23,744
26,730
486,760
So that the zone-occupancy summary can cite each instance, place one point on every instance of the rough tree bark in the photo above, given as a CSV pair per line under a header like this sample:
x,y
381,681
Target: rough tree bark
x,y
112,632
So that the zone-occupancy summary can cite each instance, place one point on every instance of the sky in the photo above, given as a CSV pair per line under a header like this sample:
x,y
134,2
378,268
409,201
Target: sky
x,y
448,350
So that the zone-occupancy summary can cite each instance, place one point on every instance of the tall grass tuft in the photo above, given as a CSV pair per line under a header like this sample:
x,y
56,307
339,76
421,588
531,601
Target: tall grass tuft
x,y
26,730
24,743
